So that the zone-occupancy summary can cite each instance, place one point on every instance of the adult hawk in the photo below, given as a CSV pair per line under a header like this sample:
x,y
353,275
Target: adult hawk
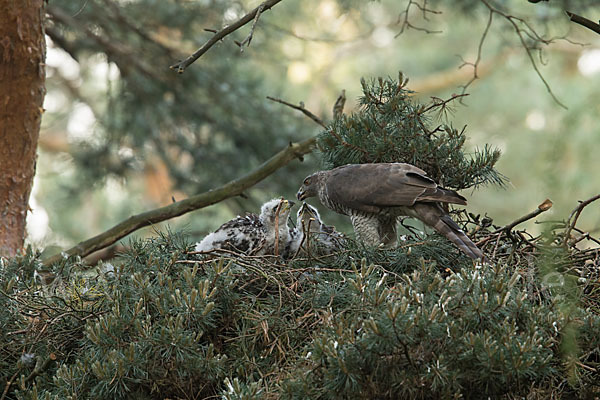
x,y
375,195
267,233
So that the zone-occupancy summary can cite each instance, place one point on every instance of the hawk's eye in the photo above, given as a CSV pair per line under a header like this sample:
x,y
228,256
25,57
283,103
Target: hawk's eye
x,y
307,181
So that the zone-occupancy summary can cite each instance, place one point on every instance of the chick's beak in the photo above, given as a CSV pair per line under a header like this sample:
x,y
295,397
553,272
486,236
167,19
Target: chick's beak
x,y
287,205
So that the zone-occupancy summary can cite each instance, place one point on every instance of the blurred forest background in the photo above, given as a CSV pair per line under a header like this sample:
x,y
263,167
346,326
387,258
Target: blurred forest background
x,y
122,133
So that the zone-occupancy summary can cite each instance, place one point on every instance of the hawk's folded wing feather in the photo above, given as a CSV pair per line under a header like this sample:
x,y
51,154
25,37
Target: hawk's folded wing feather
x,y
368,187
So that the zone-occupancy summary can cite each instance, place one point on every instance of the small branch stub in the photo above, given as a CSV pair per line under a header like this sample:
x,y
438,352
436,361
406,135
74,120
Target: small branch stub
x,y
338,107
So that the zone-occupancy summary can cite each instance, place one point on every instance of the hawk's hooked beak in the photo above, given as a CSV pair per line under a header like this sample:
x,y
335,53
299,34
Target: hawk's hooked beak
x,y
300,194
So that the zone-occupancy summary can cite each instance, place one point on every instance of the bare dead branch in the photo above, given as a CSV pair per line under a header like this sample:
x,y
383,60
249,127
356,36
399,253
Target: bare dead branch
x,y
528,37
403,18
267,5
477,62
301,109
230,189
545,206
575,216
497,234
522,32
584,235
584,22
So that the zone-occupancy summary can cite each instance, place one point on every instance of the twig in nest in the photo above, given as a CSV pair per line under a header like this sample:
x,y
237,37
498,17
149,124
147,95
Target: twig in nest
x,y
585,235
277,229
575,216
545,206
41,368
10,382
233,254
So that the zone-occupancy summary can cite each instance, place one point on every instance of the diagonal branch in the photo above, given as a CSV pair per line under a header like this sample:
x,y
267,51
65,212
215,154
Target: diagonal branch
x,y
584,22
575,216
545,206
182,65
524,32
477,62
301,109
440,103
231,189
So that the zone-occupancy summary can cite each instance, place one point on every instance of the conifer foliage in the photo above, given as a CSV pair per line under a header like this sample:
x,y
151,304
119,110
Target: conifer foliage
x,y
163,323
390,126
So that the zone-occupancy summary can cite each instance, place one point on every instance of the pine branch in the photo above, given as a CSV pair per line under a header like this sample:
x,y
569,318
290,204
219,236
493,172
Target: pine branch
x,y
390,126
230,189
251,16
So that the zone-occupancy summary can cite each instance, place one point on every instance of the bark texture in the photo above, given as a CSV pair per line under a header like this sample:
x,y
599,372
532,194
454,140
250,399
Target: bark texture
x,y
22,90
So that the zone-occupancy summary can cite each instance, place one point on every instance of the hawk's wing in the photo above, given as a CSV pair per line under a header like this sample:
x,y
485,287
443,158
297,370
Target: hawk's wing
x,y
368,187
434,216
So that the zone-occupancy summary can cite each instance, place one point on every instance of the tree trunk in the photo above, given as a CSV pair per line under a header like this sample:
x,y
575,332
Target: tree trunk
x,y
22,77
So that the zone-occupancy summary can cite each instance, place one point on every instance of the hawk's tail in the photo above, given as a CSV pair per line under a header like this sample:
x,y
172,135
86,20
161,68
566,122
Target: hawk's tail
x,y
434,216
